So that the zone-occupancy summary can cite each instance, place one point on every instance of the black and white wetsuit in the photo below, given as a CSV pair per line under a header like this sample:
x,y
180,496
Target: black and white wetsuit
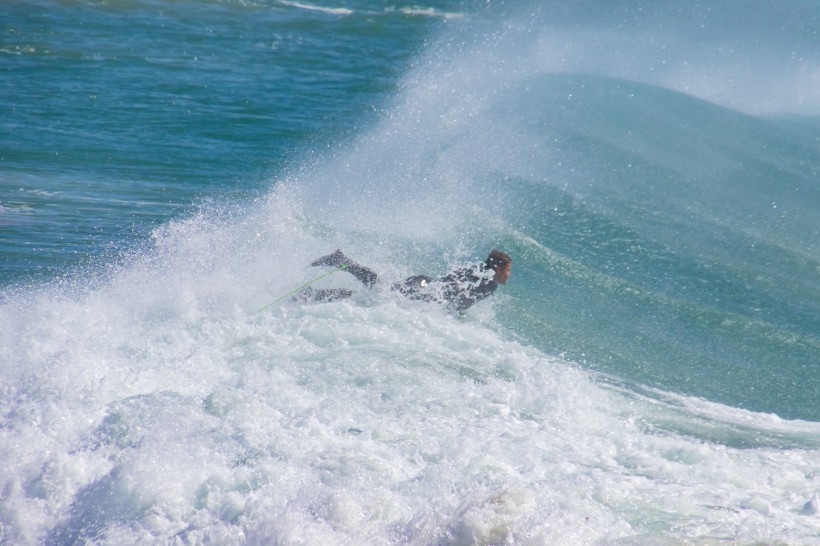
x,y
459,290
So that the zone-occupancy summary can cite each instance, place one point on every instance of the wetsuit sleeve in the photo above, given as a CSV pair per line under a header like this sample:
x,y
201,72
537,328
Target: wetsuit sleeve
x,y
466,287
467,298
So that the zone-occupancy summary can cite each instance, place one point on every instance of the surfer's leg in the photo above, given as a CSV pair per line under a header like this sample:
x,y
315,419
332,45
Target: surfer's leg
x,y
322,296
365,275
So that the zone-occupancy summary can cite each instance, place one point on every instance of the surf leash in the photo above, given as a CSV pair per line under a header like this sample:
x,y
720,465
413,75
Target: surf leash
x,y
320,277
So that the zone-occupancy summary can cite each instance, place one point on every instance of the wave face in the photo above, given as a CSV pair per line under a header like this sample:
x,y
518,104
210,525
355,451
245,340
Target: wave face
x,y
693,230
648,374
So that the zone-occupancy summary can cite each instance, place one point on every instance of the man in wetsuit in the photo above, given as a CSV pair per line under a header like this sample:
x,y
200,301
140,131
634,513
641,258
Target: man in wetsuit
x,y
458,290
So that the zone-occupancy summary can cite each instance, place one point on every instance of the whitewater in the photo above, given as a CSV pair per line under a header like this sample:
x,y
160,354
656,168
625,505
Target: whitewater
x,y
647,376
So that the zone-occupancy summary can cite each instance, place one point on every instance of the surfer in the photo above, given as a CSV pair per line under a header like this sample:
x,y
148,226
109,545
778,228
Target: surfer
x,y
458,290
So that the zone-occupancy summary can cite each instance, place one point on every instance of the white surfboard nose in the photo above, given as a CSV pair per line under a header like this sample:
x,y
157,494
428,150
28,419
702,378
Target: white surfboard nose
x,y
813,506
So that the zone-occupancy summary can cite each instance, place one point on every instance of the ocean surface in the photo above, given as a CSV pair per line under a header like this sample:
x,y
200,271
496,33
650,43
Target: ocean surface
x,y
170,168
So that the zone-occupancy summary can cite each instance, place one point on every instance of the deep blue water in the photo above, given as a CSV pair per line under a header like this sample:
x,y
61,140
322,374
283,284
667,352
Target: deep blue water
x,y
119,116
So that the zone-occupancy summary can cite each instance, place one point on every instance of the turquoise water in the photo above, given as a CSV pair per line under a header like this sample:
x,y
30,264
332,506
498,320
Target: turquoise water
x,y
119,116
168,170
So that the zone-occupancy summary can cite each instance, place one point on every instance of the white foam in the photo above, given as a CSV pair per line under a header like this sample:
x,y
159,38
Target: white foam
x,y
312,7
161,404
417,11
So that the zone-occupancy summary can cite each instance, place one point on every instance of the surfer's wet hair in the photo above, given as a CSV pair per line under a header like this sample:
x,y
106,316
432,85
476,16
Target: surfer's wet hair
x,y
498,259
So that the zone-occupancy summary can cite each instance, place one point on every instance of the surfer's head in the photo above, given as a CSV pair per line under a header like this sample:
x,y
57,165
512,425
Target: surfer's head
x,y
502,265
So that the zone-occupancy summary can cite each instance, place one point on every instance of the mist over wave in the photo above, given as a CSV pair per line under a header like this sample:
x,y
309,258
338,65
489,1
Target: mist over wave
x,y
665,238
756,57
